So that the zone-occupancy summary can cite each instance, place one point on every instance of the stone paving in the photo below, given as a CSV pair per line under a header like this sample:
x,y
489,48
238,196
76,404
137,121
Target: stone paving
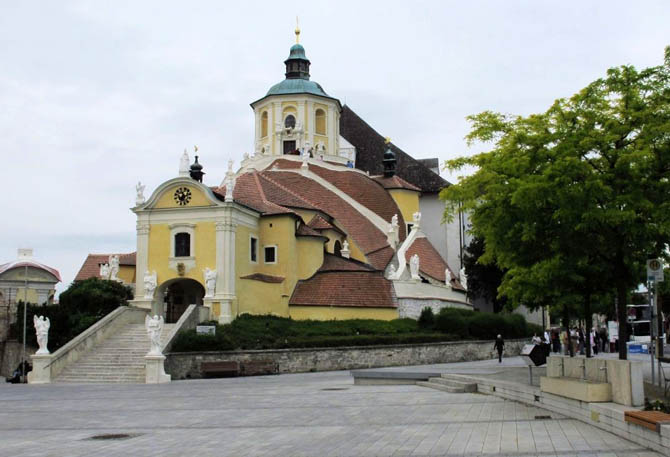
x,y
315,414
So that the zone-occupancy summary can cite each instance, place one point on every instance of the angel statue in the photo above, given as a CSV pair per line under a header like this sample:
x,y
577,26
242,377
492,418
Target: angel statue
x,y
150,282
184,164
113,267
154,326
104,271
464,279
447,277
414,266
210,281
42,325
139,188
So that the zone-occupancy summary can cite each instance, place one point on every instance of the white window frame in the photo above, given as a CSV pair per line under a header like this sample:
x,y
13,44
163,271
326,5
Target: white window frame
x,y
254,237
274,246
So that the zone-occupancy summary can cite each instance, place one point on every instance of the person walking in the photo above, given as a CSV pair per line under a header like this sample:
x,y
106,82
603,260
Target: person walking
x,y
499,346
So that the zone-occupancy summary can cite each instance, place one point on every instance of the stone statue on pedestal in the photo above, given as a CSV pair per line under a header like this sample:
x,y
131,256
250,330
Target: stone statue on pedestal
x,y
447,277
464,279
114,267
139,188
210,282
150,283
104,271
414,266
184,164
154,327
42,325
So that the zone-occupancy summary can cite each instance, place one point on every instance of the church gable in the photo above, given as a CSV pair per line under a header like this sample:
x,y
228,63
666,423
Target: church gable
x,y
181,194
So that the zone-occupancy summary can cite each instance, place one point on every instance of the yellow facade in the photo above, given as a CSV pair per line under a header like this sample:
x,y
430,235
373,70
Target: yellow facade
x,y
324,313
407,201
126,274
167,200
160,243
297,258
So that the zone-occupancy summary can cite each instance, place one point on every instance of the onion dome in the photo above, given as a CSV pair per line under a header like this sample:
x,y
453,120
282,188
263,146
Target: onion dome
x,y
389,160
196,170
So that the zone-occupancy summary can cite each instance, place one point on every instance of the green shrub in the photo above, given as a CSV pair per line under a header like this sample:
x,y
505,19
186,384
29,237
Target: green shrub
x,y
427,318
485,326
448,321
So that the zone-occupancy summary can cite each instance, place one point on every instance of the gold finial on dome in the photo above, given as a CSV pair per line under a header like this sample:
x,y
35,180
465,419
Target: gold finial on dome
x,y
387,140
297,30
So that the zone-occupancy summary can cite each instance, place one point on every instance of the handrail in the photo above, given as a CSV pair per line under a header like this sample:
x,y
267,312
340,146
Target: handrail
x,y
186,315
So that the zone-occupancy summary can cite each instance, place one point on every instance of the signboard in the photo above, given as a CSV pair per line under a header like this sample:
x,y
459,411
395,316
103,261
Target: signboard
x,y
205,329
654,270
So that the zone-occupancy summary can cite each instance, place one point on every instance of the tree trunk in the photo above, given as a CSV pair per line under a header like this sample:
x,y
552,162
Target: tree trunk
x,y
622,317
566,325
589,323
659,320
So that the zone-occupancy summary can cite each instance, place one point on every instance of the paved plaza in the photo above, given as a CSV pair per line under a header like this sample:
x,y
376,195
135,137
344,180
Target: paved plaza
x,y
315,414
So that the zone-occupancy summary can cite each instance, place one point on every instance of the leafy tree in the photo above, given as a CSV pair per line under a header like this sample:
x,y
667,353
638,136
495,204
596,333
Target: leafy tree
x,y
483,279
572,201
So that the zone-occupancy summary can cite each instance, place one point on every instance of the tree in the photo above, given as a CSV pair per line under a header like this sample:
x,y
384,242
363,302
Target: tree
x,y
483,279
572,201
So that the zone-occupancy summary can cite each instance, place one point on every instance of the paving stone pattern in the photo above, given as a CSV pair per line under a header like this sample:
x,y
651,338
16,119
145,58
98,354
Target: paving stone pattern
x,y
314,414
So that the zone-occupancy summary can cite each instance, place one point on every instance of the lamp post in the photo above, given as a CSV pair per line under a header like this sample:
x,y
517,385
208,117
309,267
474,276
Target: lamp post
x,y
25,310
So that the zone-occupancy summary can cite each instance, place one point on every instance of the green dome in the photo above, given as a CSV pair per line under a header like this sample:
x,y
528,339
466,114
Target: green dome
x,y
297,86
297,52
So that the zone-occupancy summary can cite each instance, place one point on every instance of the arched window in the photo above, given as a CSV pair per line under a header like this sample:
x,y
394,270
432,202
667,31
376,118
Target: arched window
x,y
337,248
182,245
320,122
264,124
289,122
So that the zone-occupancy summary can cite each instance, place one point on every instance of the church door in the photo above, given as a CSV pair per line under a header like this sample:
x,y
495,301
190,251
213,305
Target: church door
x,y
289,147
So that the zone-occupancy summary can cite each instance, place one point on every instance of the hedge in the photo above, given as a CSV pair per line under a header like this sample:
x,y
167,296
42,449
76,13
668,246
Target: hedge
x,y
272,332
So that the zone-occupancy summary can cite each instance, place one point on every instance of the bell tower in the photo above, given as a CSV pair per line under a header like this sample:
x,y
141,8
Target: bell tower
x,y
297,116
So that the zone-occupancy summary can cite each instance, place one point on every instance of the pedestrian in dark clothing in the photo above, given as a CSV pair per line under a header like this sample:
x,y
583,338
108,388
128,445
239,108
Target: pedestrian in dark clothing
x,y
581,341
499,346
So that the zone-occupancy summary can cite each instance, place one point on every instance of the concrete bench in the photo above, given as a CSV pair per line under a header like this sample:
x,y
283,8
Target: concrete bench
x,y
258,367
648,419
219,369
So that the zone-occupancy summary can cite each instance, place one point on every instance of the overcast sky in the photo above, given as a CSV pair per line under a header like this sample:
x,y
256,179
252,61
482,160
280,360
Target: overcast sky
x,y
95,96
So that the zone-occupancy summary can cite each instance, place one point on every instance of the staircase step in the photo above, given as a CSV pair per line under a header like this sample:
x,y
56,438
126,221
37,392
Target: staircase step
x,y
117,359
442,387
466,386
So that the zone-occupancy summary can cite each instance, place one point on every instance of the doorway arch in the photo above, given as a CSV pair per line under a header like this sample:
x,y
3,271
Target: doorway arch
x,y
175,295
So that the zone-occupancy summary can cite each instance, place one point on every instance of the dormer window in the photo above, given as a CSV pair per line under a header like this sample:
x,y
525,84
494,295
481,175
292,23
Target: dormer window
x,y
289,122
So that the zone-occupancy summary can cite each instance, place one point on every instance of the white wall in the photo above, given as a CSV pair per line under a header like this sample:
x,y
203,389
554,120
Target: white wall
x,y
446,238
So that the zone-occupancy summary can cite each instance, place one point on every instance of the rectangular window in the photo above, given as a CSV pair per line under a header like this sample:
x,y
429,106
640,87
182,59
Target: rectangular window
x,y
182,245
270,254
253,249
409,228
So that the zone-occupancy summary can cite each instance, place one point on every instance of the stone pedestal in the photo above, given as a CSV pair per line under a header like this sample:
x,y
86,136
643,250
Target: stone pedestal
x,y
155,369
226,316
144,303
41,373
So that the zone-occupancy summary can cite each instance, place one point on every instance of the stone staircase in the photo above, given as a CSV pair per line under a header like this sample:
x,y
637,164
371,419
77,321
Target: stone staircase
x,y
449,383
117,359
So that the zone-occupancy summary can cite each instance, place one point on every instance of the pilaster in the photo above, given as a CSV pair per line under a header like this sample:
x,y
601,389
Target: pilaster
x,y
330,128
142,257
311,123
277,148
225,265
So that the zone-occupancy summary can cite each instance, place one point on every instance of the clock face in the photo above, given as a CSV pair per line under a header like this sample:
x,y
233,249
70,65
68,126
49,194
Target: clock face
x,y
182,196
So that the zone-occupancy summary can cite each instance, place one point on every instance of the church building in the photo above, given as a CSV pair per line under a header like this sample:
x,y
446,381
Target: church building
x,y
318,223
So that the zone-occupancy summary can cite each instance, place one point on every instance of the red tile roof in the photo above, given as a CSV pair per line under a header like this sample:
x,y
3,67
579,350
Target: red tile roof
x,y
366,235
336,263
430,261
91,266
264,278
395,182
29,263
319,223
304,230
358,186
365,289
